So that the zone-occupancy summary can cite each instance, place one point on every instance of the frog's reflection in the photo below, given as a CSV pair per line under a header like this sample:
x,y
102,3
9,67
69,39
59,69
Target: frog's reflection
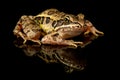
x,y
57,54
71,57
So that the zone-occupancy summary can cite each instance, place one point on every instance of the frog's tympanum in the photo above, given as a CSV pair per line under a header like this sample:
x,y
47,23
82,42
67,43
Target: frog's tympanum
x,y
70,57
55,28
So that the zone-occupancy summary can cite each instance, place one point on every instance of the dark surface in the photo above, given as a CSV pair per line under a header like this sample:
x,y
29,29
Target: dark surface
x,y
97,53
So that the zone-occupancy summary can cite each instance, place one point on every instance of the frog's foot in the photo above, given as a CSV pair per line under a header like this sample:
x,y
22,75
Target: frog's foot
x,y
23,36
94,31
55,39
72,43
78,43
36,41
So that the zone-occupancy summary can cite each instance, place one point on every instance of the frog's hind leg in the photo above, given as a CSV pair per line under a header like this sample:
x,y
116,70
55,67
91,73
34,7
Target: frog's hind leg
x,y
25,38
18,32
55,39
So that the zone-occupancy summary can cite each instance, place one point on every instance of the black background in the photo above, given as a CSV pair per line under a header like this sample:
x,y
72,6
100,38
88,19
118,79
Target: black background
x,y
100,60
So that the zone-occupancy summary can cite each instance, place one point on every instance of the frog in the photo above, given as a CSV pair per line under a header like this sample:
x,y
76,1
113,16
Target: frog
x,y
55,28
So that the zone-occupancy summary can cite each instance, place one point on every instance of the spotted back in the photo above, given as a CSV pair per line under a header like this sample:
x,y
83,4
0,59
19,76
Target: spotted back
x,y
52,18
52,13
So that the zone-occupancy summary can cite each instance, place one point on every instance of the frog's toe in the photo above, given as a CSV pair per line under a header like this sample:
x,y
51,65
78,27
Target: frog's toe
x,y
74,45
39,42
96,32
100,32
36,41
85,44
24,41
86,33
78,43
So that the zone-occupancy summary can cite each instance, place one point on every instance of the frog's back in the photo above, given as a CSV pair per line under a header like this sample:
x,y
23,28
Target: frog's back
x,y
52,18
52,13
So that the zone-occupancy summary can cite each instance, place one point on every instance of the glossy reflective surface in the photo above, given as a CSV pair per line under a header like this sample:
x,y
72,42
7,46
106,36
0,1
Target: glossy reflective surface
x,y
71,58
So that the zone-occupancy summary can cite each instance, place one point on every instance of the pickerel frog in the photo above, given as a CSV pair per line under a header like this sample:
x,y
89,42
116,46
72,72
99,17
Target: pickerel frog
x,y
54,27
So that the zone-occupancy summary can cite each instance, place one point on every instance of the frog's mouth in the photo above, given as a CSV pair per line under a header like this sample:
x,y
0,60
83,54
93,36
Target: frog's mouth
x,y
71,63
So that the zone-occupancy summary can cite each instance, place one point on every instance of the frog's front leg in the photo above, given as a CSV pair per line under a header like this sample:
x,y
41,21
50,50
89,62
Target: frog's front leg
x,y
92,29
55,39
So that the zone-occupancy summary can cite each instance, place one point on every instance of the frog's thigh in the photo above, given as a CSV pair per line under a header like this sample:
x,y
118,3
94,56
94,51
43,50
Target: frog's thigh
x,y
55,39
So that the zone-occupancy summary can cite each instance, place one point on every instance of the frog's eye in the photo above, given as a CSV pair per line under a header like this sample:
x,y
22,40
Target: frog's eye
x,y
67,17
